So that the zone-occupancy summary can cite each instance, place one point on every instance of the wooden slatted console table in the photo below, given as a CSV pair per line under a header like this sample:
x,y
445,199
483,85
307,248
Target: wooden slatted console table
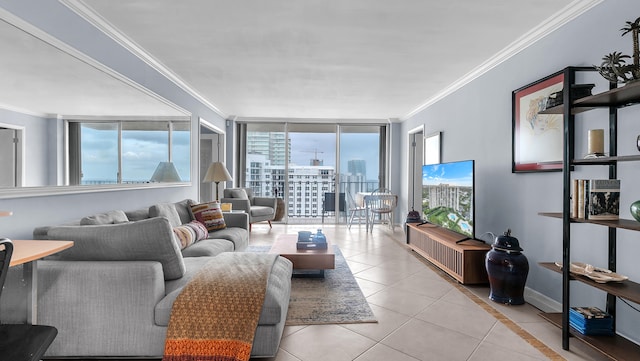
x,y
463,261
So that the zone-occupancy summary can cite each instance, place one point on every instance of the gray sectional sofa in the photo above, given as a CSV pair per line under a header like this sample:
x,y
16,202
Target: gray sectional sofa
x,y
111,294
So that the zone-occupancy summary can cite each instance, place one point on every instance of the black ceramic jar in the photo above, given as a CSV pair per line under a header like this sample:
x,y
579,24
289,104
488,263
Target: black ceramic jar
x,y
507,269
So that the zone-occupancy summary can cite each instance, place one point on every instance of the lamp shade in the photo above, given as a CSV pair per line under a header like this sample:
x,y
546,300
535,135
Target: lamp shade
x,y
217,172
165,172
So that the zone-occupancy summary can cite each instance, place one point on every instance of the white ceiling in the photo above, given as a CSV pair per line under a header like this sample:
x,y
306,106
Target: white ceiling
x,y
334,59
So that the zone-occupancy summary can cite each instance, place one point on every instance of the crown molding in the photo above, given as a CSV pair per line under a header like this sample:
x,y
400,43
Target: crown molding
x,y
211,126
14,109
88,14
560,18
315,120
159,118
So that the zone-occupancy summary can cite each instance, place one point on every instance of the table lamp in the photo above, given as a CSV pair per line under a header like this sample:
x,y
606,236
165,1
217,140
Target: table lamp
x,y
217,173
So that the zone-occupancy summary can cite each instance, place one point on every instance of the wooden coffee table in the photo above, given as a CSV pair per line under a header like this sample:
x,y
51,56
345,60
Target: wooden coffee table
x,y
308,262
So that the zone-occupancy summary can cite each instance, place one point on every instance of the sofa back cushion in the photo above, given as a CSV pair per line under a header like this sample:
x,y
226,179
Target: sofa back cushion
x,y
166,210
250,195
184,210
146,240
239,193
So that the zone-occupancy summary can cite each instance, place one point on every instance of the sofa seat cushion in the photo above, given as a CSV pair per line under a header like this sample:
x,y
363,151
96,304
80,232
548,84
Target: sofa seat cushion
x,y
260,211
276,301
192,266
208,248
239,237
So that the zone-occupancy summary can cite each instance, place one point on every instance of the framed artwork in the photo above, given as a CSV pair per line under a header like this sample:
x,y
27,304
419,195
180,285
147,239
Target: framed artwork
x,y
537,138
432,149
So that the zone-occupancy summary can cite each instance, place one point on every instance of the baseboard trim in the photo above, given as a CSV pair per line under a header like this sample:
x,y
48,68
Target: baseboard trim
x,y
541,301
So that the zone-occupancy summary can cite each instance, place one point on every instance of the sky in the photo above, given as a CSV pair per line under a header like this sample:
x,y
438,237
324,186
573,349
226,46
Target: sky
x,y
455,173
305,146
141,153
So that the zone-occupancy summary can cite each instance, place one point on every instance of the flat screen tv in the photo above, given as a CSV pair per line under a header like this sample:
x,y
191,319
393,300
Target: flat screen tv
x,y
448,196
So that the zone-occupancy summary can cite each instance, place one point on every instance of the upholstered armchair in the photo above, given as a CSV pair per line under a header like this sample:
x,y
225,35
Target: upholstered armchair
x,y
259,208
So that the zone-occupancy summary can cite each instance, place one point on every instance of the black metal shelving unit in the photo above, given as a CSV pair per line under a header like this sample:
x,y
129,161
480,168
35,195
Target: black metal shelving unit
x,y
614,347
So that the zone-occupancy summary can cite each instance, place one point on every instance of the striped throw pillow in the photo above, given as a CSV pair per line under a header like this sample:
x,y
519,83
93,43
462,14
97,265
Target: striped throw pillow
x,y
185,235
199,229
209,214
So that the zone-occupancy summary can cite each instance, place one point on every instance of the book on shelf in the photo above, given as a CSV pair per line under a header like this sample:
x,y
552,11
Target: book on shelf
x,y
595,199
589,312
580,199
593,331
604,199
591,321
574,198
586,198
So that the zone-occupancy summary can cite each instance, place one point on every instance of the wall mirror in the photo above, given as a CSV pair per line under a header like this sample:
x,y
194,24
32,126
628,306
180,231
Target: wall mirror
x,y
67,121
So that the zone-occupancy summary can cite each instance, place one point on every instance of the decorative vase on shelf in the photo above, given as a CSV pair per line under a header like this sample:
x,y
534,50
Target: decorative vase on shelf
x,y
635,210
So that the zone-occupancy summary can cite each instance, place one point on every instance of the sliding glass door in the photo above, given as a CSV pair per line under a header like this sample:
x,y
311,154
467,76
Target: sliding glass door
x,y
312,172
314,167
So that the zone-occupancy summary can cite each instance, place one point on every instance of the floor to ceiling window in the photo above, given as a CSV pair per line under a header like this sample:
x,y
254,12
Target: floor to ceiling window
x,y
360,162
314,167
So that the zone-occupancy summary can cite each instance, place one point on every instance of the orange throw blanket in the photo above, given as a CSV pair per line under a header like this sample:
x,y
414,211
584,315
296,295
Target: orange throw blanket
x,y
215,316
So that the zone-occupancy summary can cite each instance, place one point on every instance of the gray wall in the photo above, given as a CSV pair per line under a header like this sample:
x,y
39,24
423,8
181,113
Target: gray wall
x,y
476,124
59,21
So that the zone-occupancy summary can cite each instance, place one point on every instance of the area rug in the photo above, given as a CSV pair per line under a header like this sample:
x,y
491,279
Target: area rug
x,y
334,299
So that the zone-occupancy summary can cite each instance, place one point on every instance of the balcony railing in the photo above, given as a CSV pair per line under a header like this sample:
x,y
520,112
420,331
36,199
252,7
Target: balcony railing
x,y
305,199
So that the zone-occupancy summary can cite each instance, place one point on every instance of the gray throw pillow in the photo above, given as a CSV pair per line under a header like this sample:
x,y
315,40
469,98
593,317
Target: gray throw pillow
x,y
111,217
138,214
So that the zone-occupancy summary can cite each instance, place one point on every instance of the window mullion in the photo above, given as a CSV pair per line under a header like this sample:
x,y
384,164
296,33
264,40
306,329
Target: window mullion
x,y
119,152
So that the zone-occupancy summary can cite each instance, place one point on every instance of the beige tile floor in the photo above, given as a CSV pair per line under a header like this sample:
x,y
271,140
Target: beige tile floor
x,y
422,313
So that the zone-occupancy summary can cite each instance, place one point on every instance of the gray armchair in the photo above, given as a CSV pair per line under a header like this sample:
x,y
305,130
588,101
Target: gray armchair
x,y
259,209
